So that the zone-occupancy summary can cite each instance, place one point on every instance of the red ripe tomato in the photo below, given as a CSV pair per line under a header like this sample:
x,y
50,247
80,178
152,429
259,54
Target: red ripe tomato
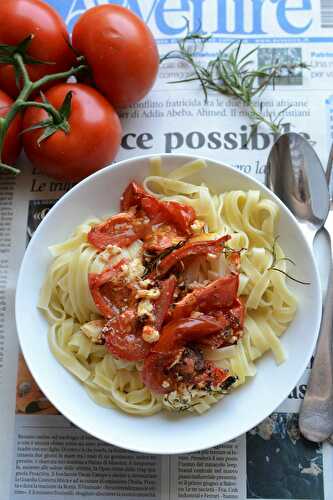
x,y
12,142
121,51
20,18
91,143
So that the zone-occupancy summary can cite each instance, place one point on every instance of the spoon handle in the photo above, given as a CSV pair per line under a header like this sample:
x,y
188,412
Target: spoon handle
x,y
316,415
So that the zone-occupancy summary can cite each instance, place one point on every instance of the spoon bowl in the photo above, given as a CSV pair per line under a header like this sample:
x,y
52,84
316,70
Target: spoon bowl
x,y
294,172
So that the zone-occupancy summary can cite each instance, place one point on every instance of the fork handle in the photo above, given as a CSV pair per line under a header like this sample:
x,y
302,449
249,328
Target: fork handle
x,y
316,415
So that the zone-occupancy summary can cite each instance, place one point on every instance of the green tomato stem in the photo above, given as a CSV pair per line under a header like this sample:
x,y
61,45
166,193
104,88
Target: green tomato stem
x,y
9,168
47,107
58,76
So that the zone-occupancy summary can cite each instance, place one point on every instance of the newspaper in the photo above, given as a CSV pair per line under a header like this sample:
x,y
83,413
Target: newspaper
x,y
41,453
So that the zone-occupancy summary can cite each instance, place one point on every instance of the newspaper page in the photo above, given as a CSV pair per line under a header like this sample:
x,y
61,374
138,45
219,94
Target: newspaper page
x,y
41,453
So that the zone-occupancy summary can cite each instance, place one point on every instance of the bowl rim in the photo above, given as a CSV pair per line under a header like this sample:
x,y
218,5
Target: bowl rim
x,y
187,158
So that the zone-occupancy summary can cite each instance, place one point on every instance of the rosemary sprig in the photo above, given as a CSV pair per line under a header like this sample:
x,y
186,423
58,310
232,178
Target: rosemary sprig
x,y
286,259
232,74
154,260
227,251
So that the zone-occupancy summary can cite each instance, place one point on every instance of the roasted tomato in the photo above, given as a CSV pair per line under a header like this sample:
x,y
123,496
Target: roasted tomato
x,y
162,304
91,142
219,294
20,18
104,288
176,360
233,320
190,249
180,216
123,333
121,230
12,143
120,50
123,339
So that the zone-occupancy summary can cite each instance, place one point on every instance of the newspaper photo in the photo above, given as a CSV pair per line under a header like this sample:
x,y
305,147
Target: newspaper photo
x,y
42,454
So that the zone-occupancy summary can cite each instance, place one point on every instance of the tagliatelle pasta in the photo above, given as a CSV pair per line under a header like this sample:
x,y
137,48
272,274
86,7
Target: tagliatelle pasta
x,y
75,321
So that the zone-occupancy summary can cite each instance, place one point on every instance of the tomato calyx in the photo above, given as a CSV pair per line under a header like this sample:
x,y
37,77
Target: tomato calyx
x,y
58,118
7,53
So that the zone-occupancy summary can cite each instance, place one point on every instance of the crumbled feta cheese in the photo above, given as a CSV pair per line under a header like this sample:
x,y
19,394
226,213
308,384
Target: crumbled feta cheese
x,y
135,269
93,330
145,283
145,308
151,294
113,249
165,384
197,226
150,334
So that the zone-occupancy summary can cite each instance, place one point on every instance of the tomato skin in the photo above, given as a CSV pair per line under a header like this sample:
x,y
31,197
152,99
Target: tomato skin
x,y
181,216
20,18
121,51
201,247
105,234
91,144
217,295
96,282
12,143
124,340
162,304
179,332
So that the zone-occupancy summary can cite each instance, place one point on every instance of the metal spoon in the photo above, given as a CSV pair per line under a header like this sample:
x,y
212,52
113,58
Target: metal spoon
x,y
295,174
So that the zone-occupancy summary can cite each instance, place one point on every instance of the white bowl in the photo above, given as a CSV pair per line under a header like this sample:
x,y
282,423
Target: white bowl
x,y
237,413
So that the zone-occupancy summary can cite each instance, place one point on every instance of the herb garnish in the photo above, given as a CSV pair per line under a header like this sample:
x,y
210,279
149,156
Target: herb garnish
x,y
276,261
233,75
154,260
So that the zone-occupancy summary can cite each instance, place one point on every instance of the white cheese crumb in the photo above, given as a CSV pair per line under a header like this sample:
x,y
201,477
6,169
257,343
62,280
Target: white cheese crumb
x,y
151,294
113,249
165,384
197,226
93,330
145,308
150,334
135,269
145,283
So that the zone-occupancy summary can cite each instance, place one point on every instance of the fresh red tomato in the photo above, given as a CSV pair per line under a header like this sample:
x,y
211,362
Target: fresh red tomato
x,y
91,143
20,18
217,295
12,143
121,51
